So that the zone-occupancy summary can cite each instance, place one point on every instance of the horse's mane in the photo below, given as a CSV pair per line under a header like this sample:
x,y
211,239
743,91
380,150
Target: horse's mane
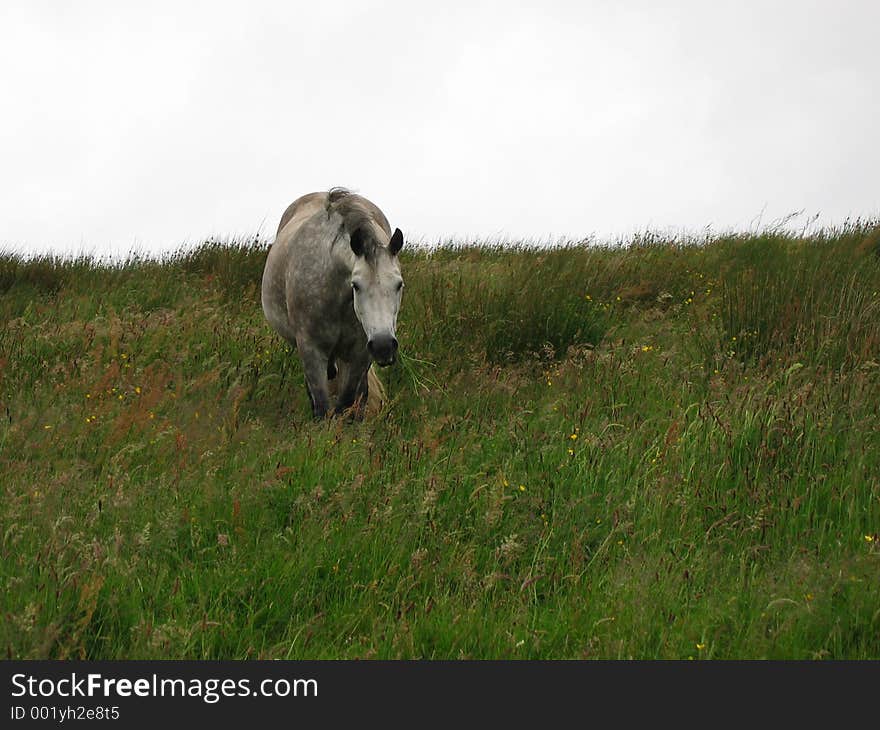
x,y
356,217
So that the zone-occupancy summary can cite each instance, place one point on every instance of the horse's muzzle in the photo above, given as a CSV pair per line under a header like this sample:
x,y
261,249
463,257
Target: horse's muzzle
x,y
383,349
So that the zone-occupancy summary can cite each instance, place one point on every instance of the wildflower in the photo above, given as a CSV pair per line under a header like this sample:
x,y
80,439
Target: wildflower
x,y
647,348
869,538
808,597
137,389
573,437
700,647
571,452
522,488
549,382
589,298
47,427
505,482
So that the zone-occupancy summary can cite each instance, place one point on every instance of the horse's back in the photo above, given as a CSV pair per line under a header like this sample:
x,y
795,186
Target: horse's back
x,y
301,208
307,205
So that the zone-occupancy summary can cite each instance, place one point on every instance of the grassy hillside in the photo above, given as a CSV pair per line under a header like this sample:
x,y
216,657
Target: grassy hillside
x,y
668,449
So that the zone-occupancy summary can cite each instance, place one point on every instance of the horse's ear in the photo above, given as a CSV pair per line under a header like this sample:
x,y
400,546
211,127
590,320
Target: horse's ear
x,y
396,242
357,241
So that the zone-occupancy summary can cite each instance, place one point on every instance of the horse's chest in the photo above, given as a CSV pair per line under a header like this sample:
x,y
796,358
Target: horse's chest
x,y
350,334
335,328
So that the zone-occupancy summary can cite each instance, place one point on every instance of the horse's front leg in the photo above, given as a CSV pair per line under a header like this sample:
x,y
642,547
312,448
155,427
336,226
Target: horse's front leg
x,y
315,367
353,390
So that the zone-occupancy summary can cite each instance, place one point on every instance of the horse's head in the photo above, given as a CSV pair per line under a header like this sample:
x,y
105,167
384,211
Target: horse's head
x,y
377,287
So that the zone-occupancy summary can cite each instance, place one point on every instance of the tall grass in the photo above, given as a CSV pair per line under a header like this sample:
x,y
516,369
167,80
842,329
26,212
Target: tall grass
x,y
577,459
807,301
513,308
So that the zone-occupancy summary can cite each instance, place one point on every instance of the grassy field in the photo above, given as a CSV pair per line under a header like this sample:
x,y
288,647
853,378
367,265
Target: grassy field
x,y
669,449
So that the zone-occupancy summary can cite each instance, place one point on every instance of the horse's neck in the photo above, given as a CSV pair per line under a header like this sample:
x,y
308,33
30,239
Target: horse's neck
x,y
343,258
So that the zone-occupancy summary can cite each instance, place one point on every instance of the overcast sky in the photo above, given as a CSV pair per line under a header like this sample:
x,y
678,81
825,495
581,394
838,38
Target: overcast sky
x,y
153,125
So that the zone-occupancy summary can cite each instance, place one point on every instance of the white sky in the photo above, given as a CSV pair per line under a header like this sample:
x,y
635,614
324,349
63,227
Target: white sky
x,y
153,125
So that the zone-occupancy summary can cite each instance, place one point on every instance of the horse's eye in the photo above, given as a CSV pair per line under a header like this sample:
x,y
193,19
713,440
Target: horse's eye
x,y
399,285
355,286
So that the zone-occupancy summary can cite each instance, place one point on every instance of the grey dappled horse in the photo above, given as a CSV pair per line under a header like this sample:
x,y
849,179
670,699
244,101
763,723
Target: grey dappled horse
x,y
332,287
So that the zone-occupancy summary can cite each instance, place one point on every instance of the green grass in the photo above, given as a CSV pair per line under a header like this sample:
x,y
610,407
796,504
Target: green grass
x,y
669,449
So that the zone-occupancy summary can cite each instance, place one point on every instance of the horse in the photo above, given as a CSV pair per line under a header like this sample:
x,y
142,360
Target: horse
x,y
332,288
